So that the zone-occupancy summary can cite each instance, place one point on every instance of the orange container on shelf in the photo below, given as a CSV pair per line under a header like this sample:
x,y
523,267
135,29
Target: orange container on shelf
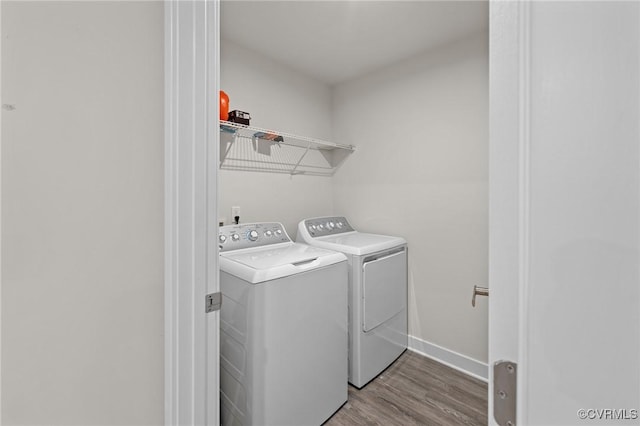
x,y
224,106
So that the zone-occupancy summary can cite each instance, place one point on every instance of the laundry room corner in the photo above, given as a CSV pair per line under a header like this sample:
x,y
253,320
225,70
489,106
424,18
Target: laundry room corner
x,y
412,107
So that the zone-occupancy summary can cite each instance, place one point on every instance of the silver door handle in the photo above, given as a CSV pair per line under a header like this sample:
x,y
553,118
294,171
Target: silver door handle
x,y
478,291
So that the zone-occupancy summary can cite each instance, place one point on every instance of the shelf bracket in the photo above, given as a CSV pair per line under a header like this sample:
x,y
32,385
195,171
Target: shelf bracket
x,y
293,172
226,142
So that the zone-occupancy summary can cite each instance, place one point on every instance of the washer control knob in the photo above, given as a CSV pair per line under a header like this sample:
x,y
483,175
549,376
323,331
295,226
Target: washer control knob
x,y
339,225
252,235
222,238
312,228
278,232
235,237
331,225
321,227
268,234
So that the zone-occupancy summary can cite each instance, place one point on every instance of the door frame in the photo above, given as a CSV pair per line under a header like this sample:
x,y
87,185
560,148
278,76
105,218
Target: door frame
x,y
191,75
191,394
0,218
509,191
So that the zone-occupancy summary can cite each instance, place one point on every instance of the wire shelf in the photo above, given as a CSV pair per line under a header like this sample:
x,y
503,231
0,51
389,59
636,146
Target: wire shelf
x,y
249,148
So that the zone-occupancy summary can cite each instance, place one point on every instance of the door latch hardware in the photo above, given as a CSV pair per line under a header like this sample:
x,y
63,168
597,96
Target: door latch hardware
x,y
478,291
213,302
505,383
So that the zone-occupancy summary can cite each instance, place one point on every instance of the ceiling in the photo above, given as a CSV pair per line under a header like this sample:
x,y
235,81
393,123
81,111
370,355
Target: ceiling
x,y
335,41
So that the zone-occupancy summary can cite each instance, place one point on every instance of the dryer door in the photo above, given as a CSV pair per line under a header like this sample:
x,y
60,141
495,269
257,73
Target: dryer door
x,y
384,287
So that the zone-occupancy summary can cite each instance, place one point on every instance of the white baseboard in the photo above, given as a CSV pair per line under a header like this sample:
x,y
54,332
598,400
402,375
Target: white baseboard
x,y
460,362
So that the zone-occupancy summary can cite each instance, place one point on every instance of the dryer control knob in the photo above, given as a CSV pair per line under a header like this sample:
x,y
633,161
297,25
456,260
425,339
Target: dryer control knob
x,y
321,226
253,235
339,225
222,238
278,232
235,237
268,234
331,225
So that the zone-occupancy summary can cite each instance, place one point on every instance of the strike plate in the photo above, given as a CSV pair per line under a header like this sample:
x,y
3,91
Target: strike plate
x,y
505,383
213,302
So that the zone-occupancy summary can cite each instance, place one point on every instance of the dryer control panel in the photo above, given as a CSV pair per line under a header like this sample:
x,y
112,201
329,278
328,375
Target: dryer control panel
x,y
321,226
235,237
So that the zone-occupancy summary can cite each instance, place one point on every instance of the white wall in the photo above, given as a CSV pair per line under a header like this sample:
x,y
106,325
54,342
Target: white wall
x,y
277,98
82,213
421,171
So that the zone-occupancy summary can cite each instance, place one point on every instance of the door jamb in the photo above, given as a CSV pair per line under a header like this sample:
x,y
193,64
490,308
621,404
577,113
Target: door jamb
x,y
509,189
191,394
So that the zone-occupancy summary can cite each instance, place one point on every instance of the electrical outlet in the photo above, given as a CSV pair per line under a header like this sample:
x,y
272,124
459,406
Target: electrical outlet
x,y
235,211
222,221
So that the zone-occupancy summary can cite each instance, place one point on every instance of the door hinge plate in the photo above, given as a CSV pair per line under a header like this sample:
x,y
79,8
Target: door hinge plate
x,y
213,302
505,384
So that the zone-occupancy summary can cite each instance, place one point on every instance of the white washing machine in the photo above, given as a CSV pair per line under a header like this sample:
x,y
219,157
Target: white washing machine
x,y
377,292
283,340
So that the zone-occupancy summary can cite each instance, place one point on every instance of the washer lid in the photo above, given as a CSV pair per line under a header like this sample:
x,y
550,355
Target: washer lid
x,y
256,265
357,243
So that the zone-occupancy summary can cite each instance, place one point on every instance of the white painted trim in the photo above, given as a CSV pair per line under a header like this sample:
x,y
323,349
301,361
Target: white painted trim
x,y
213,160
524,192
1,101
169,214
453,359
508,185
191,260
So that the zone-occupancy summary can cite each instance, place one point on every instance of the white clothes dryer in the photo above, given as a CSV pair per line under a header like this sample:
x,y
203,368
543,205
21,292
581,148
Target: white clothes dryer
x,y
377,292
283,323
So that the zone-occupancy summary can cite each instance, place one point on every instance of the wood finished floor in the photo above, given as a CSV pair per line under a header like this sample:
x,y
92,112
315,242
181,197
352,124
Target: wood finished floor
x,y
416,391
